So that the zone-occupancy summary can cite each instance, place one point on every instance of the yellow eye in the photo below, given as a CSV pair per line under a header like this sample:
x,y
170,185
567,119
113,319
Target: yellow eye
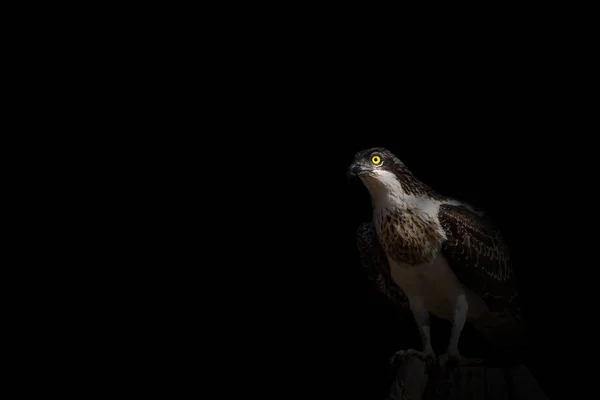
x,y
376,160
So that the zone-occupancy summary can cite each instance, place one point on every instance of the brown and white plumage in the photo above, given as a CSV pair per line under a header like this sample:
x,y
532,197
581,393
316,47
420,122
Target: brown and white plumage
x,y
432,253
479,257
374,260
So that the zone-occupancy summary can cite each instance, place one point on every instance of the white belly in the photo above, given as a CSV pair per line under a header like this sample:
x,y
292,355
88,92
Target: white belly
x,y
437,285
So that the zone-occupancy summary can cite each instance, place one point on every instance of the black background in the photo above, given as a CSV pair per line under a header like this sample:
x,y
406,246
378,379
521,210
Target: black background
x,y
346,317
313,318
490,174
228,253
262,255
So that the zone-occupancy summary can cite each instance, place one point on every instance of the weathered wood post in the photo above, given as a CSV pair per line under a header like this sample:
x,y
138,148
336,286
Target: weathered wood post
x,y
413,382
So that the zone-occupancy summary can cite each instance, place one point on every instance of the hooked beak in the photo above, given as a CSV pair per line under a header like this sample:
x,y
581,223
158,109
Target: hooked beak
x,y
356,170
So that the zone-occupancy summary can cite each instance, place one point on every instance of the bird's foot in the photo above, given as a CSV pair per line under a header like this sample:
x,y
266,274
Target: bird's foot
x,y
428,356
451,361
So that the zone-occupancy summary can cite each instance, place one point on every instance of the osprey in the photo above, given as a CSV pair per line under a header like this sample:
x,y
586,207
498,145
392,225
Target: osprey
x,y
434,254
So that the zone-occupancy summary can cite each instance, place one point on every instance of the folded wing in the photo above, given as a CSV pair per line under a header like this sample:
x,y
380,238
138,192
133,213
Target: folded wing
x,y
479,257
376,264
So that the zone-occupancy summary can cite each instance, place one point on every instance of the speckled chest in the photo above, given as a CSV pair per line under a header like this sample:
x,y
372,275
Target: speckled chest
x,y
407,236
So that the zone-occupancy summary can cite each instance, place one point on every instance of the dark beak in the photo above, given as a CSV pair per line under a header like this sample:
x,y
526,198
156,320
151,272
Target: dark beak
x,y
356,170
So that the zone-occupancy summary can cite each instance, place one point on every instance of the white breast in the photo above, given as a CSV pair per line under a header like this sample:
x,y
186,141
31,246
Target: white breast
x,y
437,285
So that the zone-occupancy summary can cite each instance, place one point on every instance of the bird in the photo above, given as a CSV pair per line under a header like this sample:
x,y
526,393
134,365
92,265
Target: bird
x,y
434,254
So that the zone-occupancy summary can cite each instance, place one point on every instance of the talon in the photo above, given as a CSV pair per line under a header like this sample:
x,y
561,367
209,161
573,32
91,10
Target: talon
x,y
428,357
430,363
453,360
401,354
449,361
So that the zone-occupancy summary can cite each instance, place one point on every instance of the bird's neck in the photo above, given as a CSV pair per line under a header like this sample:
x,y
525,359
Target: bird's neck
x,y
385,193
388,195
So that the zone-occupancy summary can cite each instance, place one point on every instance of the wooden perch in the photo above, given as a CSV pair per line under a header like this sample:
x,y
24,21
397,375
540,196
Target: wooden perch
x,y
469,383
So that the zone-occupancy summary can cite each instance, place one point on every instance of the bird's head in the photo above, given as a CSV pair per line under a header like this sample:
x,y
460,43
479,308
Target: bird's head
x,y
375,163
383,173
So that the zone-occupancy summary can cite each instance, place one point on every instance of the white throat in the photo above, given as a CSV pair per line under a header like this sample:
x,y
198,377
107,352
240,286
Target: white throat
x,y
387,193
385,189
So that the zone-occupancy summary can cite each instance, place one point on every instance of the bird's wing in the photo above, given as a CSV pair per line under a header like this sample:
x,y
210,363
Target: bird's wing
x,y
375,262
478,256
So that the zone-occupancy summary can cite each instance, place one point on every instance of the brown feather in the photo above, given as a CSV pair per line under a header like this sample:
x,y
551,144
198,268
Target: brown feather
x,y
479,257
